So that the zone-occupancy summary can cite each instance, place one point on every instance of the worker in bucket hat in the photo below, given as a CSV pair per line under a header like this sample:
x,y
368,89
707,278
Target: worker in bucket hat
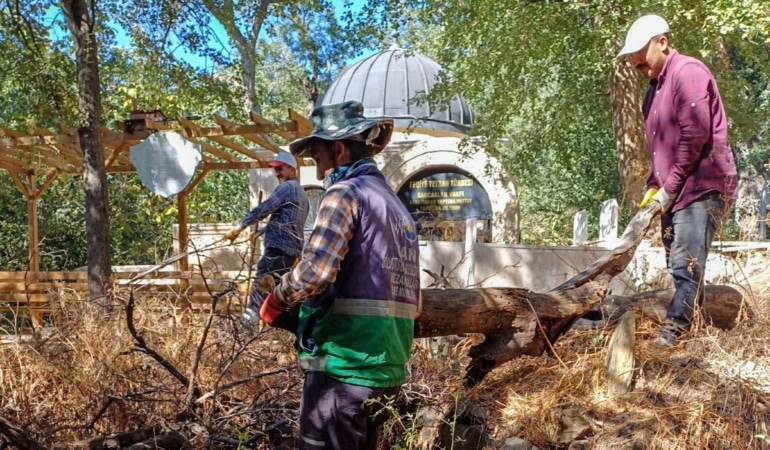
x,y
357,285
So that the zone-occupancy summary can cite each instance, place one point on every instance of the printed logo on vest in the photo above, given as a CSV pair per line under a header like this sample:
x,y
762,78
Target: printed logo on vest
x,y
404,226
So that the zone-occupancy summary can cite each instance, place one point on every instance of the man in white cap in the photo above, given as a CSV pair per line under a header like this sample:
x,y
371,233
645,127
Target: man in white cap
x,y
692,174
288,208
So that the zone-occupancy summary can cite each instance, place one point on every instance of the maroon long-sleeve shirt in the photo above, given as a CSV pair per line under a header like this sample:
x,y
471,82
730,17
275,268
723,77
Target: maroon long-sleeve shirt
x,y
686,128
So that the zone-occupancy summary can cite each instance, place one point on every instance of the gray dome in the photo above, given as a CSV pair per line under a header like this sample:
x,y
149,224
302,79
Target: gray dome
x,y
386,82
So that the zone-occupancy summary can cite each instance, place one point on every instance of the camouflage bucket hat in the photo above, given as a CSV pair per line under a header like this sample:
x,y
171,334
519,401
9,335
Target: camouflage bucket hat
x,y
345,121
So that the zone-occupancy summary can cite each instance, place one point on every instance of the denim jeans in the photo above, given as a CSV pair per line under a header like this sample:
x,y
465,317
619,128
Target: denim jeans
x,y
687,235
272,262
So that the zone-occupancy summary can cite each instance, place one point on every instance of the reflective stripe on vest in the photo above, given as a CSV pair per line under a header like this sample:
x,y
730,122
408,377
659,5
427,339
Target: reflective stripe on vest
x,y
313,363
369,307
313,442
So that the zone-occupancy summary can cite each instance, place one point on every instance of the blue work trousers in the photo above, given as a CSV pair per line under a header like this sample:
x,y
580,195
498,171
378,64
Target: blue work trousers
x,y
338,416
687,235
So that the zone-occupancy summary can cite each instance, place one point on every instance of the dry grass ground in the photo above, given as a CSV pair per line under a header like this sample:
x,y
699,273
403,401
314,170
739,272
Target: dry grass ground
x,y
89,379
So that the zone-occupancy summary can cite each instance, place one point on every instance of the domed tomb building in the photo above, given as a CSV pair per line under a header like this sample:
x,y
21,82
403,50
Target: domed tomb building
x,y
441,184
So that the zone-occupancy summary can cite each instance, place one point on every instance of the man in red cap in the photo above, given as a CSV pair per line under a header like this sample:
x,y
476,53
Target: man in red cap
x,y
287,207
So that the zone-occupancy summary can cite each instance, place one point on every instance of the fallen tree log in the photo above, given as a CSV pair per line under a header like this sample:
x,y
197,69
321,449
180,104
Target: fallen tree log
x,y
518,322
514,322
721,307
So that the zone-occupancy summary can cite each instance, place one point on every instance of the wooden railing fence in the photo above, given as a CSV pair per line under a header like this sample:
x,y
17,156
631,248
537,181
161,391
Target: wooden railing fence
x,y
38,294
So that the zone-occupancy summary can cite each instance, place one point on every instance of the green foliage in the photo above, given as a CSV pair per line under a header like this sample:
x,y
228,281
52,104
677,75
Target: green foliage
x,y
536,74
154,71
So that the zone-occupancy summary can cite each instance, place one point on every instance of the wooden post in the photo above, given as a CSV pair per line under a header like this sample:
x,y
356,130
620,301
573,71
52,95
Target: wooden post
x,y
184,232
620,355
34,253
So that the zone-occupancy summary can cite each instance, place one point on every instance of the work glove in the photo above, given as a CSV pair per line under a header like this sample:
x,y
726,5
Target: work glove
x,y
232,234
648,196
271,309
664,199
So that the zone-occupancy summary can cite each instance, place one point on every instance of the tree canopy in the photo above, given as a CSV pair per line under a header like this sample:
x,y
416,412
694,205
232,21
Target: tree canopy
x,y
538,74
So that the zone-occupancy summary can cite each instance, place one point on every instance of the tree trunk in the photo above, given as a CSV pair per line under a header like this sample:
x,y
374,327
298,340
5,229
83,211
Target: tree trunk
x,y
628,128
81,23
517,322
721,308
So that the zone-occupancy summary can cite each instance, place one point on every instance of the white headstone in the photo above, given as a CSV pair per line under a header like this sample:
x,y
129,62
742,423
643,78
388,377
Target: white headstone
x,y
608,221
580,228
471,235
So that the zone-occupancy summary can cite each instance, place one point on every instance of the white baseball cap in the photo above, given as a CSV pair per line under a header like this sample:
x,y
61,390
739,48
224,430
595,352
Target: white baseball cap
x,y
641,31
283,158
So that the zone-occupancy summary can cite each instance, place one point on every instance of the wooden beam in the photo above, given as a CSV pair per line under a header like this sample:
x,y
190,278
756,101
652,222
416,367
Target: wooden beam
x,y
194,130
22,166
116,155
117,137
259,120
304,125
213,150
69,135
256,138
240,130
30,141
44,156
181,201
191,187
73,150
211,166
110,139
234,166
12,168
64,129
288,136
46,184
19,185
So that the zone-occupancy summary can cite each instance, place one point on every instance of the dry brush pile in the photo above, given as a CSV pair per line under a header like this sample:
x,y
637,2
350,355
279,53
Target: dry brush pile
x,y
201,381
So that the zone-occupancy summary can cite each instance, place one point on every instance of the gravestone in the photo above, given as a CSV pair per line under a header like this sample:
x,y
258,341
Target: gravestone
x,y
608,221
580,228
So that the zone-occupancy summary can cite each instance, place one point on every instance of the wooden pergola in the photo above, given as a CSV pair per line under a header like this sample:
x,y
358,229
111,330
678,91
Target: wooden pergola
x,y
33,160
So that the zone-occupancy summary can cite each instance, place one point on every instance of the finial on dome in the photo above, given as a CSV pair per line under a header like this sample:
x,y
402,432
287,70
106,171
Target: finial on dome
x,y
394,41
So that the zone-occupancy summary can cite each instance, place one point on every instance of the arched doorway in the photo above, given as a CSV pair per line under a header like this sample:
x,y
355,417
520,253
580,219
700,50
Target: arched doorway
x,y
442,198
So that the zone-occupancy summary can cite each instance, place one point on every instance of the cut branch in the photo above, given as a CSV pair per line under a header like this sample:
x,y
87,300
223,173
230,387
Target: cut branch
x,y
18,437
141,346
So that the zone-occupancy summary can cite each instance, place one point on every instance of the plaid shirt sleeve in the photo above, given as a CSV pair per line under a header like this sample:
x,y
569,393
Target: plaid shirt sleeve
x,y
328,245
279,197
